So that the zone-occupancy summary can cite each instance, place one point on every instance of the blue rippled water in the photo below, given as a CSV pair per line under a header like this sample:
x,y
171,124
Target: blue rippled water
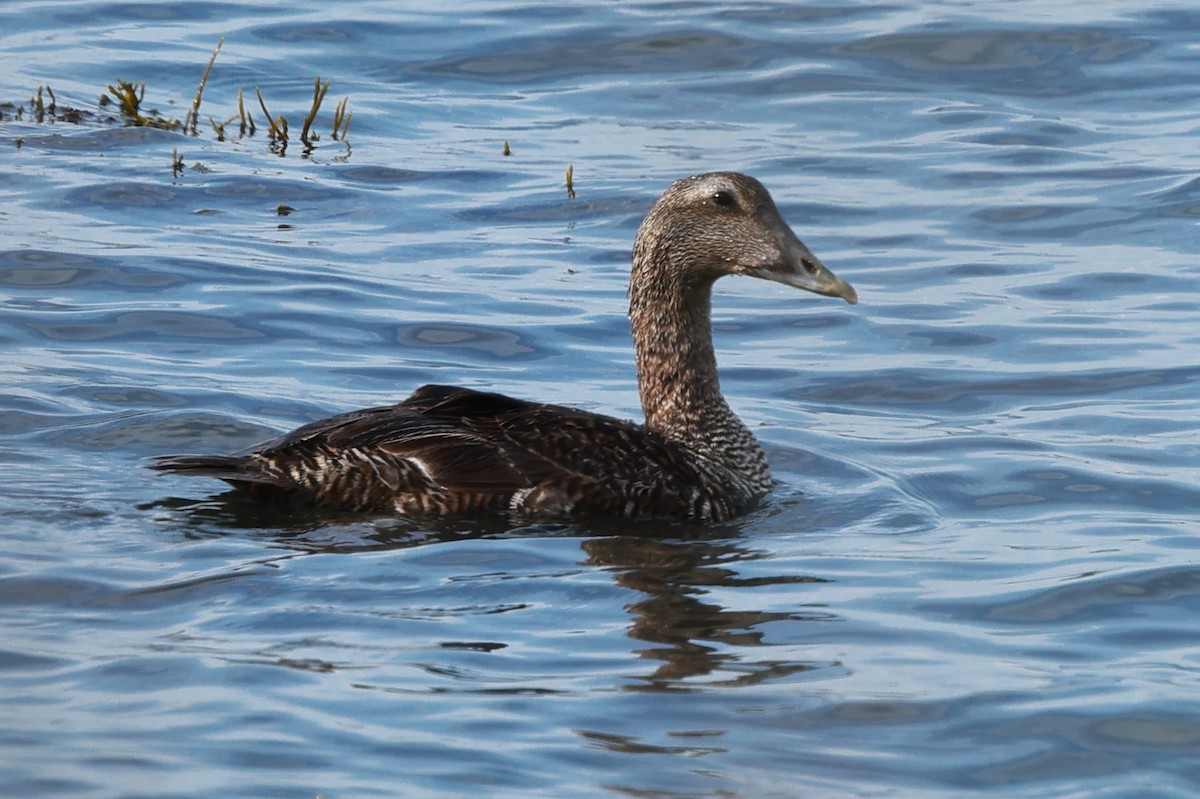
x,y
979,575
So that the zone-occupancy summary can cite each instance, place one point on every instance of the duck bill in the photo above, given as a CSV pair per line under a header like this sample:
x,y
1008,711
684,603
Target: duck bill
x,y
797,266
805,271
801,269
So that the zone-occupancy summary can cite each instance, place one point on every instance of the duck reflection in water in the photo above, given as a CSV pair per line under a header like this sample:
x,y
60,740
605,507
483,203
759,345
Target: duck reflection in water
x,y
693,638
672,565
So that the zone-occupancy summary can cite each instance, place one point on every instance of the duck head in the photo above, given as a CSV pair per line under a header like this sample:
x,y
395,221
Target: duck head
x,y
725,223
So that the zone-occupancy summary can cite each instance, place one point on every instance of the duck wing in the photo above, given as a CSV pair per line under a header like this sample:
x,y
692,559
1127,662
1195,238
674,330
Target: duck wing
x,y
448,450
579,463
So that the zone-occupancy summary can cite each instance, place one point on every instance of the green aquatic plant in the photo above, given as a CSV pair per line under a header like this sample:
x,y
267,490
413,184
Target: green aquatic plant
x,y
341,118
319,90
219,127
278,131
40,108
127,101
247,121
44,107
194,115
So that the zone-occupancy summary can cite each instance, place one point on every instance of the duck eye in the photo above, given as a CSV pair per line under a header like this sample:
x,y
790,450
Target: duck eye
x,y
723,199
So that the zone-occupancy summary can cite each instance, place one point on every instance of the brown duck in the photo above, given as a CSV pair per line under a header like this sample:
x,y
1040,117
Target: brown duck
x,y
447,450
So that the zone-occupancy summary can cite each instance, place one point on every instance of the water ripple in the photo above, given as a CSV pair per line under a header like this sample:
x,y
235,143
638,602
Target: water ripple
x,y
983,540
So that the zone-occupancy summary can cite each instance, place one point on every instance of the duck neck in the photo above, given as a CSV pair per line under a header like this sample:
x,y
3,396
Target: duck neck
x,y
677,372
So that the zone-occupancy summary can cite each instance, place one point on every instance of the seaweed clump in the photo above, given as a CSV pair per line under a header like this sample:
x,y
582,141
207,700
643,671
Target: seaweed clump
x,y
127,99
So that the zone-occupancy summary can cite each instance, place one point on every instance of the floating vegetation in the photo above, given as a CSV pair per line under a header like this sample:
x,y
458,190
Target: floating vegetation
x,y
571,181
278,130
219,127
319,90
341,119
41,108
194,115
244,115
124,102
129,102
176,162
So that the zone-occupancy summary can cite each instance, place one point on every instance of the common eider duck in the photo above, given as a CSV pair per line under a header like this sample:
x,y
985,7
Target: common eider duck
x,y
451,451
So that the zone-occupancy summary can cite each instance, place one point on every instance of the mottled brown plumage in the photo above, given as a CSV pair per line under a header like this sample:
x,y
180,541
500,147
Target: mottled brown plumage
x,y
448,451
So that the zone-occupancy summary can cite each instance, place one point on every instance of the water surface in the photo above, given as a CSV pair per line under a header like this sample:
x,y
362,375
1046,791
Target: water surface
x,y
977,577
